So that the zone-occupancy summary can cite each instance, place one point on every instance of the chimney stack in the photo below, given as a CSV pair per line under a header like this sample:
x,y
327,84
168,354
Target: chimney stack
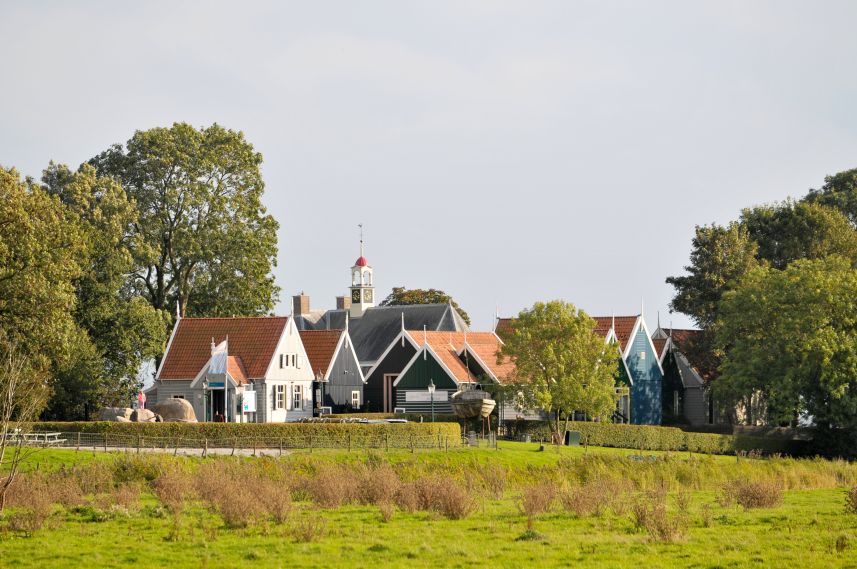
x,y
300,304
343,303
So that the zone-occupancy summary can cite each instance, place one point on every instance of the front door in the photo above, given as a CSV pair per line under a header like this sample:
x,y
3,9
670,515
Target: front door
x,y
389,403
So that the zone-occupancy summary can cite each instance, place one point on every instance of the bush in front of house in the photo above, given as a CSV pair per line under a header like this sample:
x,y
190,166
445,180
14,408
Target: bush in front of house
x,y
302,435
650,437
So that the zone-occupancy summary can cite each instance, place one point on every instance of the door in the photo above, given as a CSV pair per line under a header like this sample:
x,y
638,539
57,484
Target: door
x,y
389,403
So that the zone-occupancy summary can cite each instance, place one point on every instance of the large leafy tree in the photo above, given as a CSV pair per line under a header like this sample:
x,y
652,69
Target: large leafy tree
x,y
118,330
203,240
840,192
720,256
792,337
402,296
39,253
790,231
562,364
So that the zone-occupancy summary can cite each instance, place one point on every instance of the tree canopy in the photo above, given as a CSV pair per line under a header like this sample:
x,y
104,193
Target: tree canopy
x,y
791,337
564,365
402,296
203,240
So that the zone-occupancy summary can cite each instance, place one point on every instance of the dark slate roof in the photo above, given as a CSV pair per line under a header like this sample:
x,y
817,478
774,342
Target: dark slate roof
x,y
373,332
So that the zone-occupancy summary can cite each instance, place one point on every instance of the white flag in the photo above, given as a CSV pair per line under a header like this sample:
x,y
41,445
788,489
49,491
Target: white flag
x,y
219,355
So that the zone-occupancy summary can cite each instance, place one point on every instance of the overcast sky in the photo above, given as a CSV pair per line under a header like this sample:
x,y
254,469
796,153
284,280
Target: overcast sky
x,y
505,152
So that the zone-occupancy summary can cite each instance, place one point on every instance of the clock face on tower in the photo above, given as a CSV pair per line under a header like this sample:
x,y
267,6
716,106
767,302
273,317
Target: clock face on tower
x,y
367,295
355,295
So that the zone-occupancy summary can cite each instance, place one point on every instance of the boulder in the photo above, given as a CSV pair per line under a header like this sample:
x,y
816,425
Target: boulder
x,y
175,411
143,416
116,413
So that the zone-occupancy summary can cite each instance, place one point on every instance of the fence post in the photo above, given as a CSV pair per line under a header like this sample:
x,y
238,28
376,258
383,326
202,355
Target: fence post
x,y
387,441
78,440
105,442
446,443
176,450
138,444
412,444
254,446
349,442
234,442
205,448
281,447
310,442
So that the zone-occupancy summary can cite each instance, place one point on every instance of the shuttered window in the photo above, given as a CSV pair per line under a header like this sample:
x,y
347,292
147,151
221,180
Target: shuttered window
x,y
279,396
298,397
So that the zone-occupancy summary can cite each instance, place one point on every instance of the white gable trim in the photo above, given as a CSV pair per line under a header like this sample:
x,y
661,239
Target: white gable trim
x,y
388,350
427,348
167,351
638,325
290,323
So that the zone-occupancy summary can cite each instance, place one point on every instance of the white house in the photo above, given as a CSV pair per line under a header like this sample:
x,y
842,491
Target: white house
x,y
243,370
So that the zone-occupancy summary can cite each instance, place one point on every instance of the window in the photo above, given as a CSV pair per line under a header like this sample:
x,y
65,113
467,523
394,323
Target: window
x,y
294,360
355,399
642,355
281,361
298,397
279,397
178,396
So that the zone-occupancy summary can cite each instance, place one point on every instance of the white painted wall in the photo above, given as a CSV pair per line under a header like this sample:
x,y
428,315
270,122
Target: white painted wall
x,y
289,376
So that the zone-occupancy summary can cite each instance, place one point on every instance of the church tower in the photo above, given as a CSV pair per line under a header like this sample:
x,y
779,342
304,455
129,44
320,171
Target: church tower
x,y
362,284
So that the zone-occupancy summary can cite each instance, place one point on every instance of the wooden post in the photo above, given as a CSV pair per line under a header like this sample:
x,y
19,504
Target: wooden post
x,y
281,447
387,441
234,442
254,446
205,448
78,440
310,442
349,442
176,450
138,444
412,444
105,442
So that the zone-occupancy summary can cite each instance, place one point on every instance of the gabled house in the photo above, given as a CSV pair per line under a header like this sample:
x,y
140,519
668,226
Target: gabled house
x,y
641,369
338,377
450,361
252,369
640,372
685,391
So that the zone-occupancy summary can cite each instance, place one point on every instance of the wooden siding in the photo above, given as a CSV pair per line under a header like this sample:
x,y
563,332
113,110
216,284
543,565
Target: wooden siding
x,y
440,407
646,390
343,378
393,363
423,371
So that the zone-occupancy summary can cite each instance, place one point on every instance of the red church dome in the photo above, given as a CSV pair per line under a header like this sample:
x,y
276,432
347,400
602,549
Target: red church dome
x,y
361,262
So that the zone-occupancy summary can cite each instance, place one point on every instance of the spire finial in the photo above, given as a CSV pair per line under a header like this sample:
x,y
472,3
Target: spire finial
x,y
360,225
659,319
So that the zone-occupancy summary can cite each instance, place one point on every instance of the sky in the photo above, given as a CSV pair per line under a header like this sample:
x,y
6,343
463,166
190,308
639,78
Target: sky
x,y
505,152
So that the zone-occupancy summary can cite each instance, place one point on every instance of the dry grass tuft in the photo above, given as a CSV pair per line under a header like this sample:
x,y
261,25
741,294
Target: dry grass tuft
x,y
851,501
650,514
538,499
750,495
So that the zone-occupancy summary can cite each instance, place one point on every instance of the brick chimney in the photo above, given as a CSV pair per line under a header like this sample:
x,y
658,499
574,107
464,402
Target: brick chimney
x,y
300,304
343,302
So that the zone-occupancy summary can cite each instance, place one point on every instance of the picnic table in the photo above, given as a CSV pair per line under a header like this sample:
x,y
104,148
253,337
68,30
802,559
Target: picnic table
x,y
43,439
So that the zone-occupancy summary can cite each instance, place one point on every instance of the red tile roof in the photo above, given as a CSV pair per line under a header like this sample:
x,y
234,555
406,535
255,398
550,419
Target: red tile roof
x,y
447,346
252,339
235,368
623,327
503,327
320,346
659,343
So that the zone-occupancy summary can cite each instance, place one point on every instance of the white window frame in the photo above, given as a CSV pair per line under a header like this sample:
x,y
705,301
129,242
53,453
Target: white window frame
x,y
355,395
297,397
279,397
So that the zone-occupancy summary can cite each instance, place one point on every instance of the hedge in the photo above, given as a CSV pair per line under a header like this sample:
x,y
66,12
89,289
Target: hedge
x,y
322,434
415,417
648,437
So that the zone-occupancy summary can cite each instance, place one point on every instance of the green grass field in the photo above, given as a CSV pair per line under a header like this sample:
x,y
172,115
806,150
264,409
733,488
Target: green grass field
x,y
808,529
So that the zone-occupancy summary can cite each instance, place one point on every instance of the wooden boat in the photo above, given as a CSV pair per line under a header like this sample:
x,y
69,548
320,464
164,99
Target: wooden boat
x,y
472,403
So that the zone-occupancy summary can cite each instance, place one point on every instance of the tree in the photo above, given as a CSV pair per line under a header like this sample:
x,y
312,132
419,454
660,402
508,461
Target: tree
x,y
39,252
402,296
719,257
562,363
791,336
840,192
23,392
790,231
118,330
203,240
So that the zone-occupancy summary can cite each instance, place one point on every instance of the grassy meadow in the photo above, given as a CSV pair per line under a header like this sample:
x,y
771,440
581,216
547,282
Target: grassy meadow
x,y
512,507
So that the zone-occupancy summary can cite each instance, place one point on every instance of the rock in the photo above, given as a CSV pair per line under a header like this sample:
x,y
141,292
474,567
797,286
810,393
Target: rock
x,y
175,411
116,413
143,416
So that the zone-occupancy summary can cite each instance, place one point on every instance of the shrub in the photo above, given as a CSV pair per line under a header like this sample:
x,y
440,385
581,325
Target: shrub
x,y
851,501
386,510
538,498
407,497
307,528
649,513
174,489
592,498
751,494
377,485
333,486
275,497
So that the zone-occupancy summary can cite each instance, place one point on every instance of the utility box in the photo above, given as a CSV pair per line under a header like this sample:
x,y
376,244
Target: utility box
x,y
572,438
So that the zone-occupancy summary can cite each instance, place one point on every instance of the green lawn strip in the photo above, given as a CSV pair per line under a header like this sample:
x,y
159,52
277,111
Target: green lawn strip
x,y
802,532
